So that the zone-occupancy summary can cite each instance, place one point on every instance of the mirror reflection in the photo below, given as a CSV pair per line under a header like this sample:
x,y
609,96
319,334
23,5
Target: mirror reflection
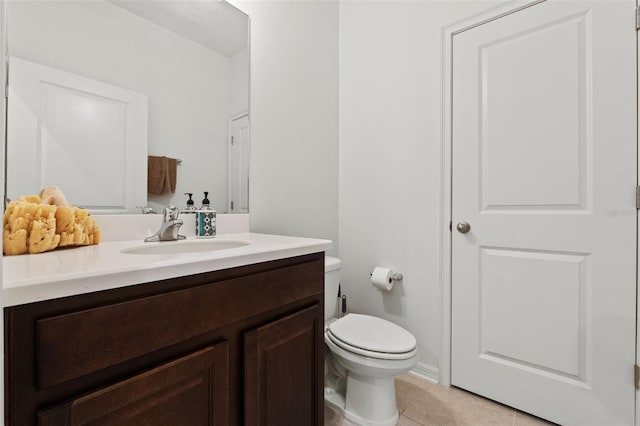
x,y
97,88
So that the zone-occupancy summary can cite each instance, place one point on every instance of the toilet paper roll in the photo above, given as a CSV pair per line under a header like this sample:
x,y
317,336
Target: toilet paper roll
x,y
381,278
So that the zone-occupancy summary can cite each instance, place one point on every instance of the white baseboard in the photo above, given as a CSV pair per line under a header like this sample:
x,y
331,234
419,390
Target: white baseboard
x,y
427,372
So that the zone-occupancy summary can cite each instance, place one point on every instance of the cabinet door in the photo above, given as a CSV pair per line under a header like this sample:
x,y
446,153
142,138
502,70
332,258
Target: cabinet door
x,y
188,391
284,371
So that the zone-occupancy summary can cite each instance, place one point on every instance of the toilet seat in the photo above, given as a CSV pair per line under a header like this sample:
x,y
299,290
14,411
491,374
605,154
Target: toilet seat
x,y
372,337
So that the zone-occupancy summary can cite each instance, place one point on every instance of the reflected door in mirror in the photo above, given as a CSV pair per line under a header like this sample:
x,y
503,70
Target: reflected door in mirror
x,y
86,137
239,164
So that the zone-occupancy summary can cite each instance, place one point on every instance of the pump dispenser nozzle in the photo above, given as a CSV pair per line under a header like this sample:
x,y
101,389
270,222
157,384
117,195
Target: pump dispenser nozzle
x,y
206,205
190,204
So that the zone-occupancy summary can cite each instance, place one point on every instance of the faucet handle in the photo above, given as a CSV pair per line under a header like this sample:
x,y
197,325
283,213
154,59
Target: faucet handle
x,y
147,210
171,213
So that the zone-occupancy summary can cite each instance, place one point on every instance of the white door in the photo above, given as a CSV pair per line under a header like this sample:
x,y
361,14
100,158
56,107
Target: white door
x,y
239,164
56,119
544,171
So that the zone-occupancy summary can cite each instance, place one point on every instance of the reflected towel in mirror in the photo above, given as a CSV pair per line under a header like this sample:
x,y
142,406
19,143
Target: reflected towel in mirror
x,y
161,175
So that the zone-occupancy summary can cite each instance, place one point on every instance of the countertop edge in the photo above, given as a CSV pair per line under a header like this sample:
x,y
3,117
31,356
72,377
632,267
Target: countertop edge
x,y
264,248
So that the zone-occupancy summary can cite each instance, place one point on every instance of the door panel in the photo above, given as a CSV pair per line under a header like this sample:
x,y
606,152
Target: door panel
x,y
516,283
544,170
281,387
525,69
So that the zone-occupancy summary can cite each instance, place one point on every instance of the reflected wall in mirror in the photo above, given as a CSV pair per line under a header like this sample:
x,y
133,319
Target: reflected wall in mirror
x,y
96,86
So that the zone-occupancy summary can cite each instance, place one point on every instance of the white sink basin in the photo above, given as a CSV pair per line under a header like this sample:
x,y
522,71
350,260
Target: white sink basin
x,y
183,247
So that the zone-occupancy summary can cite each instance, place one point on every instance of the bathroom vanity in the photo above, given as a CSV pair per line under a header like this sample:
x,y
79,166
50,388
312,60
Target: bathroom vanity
x,y
237,341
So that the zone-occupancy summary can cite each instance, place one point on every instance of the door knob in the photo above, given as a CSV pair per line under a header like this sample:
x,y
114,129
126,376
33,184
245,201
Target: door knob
x,y
463,227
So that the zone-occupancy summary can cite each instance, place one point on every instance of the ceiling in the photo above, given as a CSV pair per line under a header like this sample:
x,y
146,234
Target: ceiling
x,y
213,24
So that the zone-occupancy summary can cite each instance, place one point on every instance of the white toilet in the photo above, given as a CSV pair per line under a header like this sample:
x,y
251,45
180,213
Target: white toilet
x,y
364,355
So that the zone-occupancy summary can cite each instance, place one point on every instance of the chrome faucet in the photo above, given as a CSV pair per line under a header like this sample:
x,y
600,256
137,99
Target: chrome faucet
x,y
170,226
147,210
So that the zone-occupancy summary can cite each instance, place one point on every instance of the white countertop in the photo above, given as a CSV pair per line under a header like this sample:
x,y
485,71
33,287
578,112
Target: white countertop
x,y
61,273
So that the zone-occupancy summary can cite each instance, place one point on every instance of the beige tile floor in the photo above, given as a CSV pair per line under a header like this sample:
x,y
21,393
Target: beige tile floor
x,y
421,402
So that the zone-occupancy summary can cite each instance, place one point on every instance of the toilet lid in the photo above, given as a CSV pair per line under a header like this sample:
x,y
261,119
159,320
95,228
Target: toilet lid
x,y
372,334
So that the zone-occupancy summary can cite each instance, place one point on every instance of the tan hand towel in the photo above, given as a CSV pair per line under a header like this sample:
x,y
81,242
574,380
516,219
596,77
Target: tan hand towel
x,y
161,175
171,176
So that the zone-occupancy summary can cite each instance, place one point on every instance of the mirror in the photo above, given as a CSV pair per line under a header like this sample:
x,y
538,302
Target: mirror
x,y
95,87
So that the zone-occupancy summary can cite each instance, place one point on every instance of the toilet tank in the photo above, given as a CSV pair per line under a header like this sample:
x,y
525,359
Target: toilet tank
x,y
331,283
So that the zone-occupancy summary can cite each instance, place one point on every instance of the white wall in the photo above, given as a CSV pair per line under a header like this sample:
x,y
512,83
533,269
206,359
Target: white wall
x,y
240,81
294,117
390,94
188,85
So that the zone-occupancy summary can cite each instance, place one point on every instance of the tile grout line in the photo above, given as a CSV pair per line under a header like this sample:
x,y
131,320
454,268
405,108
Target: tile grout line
x,y
414,420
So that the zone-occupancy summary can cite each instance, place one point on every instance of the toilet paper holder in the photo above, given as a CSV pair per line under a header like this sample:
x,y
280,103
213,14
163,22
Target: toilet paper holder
x,y
397,276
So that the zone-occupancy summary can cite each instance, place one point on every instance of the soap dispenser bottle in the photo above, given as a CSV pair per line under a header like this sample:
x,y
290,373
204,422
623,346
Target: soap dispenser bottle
x,y
191,208
206,219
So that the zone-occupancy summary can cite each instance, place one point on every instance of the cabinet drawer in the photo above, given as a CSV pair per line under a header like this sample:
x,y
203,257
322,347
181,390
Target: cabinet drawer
x,y
189,391
72,345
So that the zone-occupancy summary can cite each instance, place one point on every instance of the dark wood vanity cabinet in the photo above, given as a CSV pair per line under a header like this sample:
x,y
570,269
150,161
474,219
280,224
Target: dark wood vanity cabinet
x,y
281,358
237,346
189,391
